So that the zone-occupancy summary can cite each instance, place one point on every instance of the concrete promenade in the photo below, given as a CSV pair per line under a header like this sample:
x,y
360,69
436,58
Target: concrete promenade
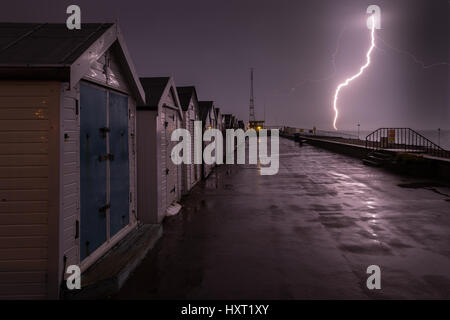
x,y
308,232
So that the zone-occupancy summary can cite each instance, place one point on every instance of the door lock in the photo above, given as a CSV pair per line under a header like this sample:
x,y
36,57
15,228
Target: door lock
x,y
102,210
104,130
105,157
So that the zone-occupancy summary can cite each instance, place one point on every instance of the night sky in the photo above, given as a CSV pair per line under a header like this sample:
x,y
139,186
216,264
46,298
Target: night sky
x,y
213,44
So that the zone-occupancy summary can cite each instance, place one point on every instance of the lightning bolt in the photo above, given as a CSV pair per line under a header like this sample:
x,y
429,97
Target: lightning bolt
x,y
361,70
413,57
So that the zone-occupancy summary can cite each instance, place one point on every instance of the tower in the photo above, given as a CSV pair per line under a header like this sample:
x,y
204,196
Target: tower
x,y
252,102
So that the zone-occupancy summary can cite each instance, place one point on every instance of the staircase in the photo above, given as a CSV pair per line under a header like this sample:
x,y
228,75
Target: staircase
x,y
403,140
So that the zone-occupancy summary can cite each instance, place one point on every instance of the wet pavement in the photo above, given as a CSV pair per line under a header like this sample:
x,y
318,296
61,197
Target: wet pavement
x,y
309,232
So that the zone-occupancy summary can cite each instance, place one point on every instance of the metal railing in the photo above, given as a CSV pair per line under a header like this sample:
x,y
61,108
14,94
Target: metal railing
x,y
405,140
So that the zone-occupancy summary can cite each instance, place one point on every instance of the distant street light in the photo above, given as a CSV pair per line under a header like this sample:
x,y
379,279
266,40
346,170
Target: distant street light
x,y
358,130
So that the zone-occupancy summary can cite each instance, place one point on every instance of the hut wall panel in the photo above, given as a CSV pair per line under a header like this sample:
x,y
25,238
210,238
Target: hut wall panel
x,y
162,195
70,206
147,167
179,168
132,158
186,168
28,112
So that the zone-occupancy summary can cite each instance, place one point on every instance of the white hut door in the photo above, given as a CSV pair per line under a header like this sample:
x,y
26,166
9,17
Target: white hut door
x,y
171,169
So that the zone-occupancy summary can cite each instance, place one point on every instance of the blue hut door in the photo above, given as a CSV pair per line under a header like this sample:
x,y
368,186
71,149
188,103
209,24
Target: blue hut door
x,y
104,166
93,171
119,164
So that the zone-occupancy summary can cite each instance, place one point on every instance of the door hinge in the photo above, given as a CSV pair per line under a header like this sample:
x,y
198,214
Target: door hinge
x,y
76,107
109,156
167,171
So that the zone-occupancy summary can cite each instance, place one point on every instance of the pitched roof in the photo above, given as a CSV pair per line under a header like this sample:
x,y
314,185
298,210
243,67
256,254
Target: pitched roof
x,y
154,89
50,51
185,95
46,43
204,106
227,121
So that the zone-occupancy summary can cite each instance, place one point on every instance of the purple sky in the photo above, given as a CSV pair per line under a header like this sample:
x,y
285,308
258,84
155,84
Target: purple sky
x,y
212,44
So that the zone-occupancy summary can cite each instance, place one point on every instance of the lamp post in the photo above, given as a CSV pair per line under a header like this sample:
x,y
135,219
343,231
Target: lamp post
x,y
439,137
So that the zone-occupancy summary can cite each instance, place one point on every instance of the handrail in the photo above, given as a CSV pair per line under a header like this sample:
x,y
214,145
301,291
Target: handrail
x,y
403,139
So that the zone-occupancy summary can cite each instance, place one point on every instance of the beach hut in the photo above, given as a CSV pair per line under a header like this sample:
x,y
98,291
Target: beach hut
x,y
220,125
208,116
159,179
227,121
67,155
219,120
191,173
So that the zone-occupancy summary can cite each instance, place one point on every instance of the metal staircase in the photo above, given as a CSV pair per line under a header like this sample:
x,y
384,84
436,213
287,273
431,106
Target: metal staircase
x,y
403,140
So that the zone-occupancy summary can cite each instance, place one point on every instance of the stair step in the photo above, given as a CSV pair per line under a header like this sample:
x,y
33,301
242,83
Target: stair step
x,y
377,159
382,155
372,163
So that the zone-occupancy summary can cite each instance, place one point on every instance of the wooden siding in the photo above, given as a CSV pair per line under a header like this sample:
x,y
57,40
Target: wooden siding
x,y
191,173
147,172
70,202
169,102
29,132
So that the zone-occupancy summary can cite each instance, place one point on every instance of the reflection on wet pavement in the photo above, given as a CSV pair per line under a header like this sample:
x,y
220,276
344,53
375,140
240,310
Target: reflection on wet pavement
x,y
309,232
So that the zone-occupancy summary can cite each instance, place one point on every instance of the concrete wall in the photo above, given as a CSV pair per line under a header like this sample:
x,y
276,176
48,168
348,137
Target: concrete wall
x,y
419,166
344,148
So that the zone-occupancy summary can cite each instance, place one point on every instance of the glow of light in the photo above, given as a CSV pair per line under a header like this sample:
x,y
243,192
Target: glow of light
x,y
333,62
361,70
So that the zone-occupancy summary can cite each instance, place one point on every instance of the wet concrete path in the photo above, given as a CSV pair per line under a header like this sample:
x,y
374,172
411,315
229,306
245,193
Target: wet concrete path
x,y
308,232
